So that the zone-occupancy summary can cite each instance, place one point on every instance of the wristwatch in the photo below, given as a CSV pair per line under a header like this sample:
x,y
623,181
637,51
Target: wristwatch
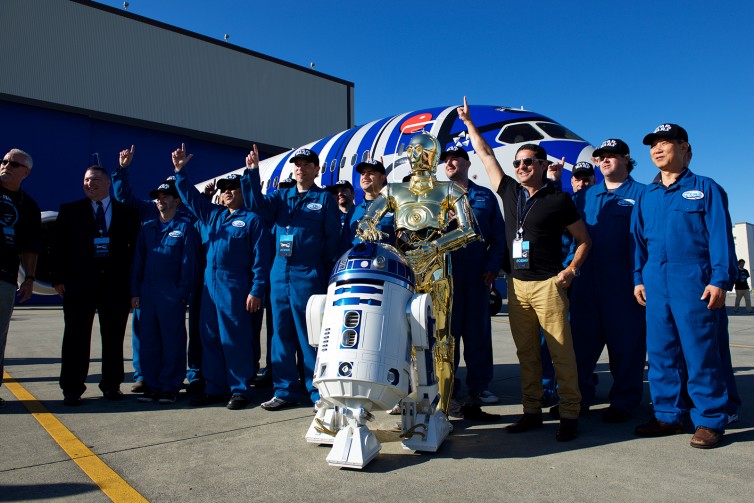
x,y
576,270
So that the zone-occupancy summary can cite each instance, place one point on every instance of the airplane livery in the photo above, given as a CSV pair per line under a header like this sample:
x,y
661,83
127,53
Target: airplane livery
x,y
505,129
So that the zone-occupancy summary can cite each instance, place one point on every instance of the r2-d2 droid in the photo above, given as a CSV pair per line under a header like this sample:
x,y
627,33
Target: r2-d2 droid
x,y
366,327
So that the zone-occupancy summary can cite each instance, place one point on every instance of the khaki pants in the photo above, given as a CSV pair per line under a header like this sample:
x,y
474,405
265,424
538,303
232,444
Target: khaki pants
x,y
532,304
746,295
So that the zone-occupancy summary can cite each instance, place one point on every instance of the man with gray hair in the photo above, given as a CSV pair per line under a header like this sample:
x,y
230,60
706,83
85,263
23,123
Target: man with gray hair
x,y
21,222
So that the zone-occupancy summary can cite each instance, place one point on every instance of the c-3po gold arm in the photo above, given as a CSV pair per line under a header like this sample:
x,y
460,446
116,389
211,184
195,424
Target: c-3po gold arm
x,y
367,230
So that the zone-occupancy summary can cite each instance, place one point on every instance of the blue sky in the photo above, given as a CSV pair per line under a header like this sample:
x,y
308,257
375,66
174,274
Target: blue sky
x,y
603,69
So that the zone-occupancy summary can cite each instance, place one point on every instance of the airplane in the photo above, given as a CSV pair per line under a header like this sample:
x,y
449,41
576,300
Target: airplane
x,y
504,128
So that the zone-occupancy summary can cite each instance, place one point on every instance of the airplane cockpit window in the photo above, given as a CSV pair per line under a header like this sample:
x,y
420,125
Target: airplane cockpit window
x,y
354,158
365,156
333,163
558,131
519,133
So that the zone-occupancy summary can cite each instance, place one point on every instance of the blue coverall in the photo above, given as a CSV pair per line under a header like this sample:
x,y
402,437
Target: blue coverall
x,y
348,237
604,310
164,271
314,222
238,263
683,244
148,211
470,318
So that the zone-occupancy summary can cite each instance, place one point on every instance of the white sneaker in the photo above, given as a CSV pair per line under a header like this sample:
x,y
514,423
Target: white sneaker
x,y
486,397
395,411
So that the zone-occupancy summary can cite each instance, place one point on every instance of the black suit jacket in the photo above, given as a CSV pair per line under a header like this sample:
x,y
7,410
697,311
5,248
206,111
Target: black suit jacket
x,y
73,261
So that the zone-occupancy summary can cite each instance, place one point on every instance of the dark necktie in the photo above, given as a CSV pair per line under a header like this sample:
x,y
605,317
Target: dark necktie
x,y
101,221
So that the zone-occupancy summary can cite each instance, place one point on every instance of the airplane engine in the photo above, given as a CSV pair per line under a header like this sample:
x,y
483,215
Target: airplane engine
x,y
365,328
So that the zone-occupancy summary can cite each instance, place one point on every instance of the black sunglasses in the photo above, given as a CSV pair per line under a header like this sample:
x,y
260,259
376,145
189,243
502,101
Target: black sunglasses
x,y
13,164
527,162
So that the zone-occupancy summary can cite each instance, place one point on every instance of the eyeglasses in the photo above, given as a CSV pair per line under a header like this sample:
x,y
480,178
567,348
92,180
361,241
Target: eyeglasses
x,y
527,162
13,164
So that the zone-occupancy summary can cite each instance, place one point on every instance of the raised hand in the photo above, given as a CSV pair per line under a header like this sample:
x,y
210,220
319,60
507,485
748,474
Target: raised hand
x,y
125,157
252,160
210,188
463,112
180,159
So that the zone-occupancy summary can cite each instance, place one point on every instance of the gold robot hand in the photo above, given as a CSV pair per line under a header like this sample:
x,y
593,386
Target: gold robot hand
x,y
420,258
368,233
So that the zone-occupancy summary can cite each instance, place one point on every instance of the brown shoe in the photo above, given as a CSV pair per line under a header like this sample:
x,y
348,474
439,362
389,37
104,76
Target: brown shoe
x,y
655,428
706,438
527,422
139,387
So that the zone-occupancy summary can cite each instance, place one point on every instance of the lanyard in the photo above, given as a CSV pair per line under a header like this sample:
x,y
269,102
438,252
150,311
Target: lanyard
x,y
524,207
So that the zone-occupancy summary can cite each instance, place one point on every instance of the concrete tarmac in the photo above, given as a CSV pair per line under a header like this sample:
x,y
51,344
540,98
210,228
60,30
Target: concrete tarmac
x,y
181,453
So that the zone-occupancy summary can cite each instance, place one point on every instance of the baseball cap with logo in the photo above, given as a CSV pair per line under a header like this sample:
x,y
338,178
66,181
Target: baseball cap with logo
x,y
371,164
667,131
583,168
306,154
230,182
456,151
338,185
612,146
166,187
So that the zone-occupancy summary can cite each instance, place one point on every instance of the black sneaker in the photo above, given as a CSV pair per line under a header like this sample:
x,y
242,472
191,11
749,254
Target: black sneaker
x,y
71,400
238,402
195,387
206,399
166,398
528,421
615,415
114,395
568,430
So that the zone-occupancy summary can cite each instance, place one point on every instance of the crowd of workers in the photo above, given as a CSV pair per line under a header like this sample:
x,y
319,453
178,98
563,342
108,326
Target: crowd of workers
x,y
641,270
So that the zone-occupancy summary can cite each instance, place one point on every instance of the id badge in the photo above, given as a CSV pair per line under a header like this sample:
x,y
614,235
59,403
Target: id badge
x,y
101,247
285,248
9,237
520,254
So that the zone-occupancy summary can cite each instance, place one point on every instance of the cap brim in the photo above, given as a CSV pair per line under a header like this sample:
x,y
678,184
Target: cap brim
x,y
155,193
650,138
361,167
224,185
445,155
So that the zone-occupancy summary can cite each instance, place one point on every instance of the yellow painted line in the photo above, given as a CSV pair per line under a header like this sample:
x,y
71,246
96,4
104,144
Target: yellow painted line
x,y
741,346
109,482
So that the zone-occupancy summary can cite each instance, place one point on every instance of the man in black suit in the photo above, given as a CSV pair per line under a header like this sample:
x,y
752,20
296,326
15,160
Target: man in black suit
x,y
92,254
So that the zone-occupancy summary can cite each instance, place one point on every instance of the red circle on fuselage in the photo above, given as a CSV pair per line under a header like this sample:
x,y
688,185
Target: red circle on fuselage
x,y
415,123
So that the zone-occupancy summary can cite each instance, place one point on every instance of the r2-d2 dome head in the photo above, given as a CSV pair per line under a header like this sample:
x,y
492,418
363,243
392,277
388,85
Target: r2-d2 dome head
x,y
423,153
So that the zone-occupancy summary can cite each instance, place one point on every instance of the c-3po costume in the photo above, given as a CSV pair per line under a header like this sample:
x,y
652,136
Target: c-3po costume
x,y
424,208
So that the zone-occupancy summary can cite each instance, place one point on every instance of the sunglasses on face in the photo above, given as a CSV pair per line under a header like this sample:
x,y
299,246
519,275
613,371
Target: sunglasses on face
x,y
526,162
13,164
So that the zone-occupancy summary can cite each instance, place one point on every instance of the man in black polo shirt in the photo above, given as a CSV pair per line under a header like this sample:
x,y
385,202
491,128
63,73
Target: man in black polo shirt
x,y
22,237
536,215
